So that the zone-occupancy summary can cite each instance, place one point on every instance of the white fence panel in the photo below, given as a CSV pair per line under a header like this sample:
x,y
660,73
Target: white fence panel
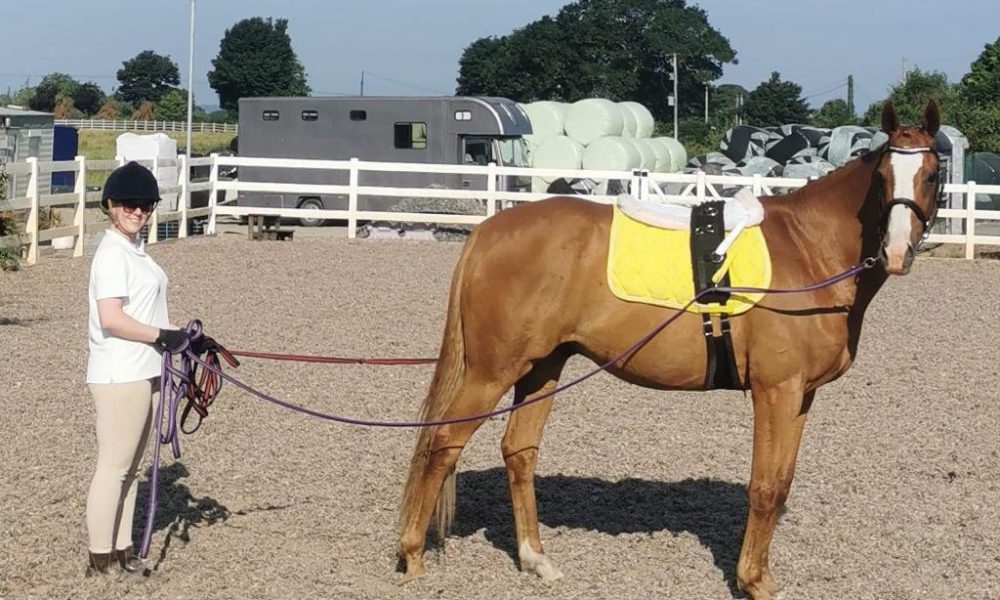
x,y
665,187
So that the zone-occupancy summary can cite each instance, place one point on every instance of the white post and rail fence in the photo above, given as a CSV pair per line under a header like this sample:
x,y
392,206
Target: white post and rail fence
x,y
489,199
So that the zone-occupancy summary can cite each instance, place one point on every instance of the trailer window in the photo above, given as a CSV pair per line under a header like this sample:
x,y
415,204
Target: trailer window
x,y
359,115
270,115
310,115
410,135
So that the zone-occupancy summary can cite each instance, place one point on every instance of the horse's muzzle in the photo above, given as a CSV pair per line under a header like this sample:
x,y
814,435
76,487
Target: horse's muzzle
x,y
898,262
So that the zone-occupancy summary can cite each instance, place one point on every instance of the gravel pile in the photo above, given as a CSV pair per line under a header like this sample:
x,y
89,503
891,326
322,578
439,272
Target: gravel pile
x,y
641,493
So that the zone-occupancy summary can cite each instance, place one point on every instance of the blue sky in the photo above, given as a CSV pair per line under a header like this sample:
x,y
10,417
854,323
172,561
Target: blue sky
x,y
412,47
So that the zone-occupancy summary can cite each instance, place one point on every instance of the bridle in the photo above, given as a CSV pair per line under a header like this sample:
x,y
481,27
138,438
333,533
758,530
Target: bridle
x,y
926,220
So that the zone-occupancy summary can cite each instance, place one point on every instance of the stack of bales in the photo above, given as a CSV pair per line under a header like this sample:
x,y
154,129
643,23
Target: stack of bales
x,y
799,151
596,134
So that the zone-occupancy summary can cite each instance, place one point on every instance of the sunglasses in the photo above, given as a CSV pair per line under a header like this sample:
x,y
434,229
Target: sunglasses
x,y
131,207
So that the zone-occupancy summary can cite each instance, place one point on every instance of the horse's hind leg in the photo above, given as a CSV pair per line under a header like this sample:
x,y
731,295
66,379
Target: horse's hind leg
x,y
433,464
520,453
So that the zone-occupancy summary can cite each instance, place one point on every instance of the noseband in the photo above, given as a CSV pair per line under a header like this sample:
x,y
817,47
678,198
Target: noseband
x,y
926,221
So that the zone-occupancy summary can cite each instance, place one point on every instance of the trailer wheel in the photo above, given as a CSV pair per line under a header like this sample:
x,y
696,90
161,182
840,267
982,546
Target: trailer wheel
x,y
311,203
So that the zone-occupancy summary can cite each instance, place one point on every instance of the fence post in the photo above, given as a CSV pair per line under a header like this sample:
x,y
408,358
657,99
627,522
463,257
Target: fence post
x,y
491,189
213,178
700,186
80,188
31,227
352,199
757,185
970,220
153,230
182,182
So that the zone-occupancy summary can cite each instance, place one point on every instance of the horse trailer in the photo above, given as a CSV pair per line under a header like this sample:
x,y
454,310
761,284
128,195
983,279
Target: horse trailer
x,y
433,130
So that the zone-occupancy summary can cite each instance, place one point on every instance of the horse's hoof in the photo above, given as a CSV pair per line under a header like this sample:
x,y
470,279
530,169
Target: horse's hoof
x,y
537,563
414,570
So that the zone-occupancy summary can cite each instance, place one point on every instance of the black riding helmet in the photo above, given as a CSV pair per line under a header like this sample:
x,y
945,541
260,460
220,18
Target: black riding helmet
x,y
131,182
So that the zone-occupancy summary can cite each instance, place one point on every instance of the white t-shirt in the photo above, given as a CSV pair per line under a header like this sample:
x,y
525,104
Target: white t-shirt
x,y
120,270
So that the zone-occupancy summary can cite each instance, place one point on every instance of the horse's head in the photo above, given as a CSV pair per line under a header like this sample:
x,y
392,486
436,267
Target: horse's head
x,y
909,170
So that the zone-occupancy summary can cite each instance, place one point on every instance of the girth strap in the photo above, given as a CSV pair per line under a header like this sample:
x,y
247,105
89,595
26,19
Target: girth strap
x,y
707,232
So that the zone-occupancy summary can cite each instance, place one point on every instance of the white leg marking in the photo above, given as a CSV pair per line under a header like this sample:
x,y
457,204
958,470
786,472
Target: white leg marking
x,y
538,563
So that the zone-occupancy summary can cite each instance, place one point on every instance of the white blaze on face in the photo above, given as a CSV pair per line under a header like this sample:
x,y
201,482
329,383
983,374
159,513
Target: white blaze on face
x,y
900,227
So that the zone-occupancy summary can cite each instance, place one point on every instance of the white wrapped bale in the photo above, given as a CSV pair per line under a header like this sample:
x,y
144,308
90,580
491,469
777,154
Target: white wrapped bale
x,y
591,119
644,123
847,141
678,155
647,156
664,162
629,123
547,118
559,152
611,154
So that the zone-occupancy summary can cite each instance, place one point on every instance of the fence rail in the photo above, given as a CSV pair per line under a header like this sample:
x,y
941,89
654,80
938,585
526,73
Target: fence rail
x,y
144,125
662,186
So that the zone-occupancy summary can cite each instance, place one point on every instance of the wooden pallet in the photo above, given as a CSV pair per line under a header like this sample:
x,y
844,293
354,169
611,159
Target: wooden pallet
x,y
261,227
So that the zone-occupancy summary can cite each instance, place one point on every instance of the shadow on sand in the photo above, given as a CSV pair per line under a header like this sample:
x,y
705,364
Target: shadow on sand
x,y
714,511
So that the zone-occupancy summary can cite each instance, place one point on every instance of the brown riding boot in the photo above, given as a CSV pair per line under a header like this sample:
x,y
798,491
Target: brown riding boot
x,y
129,561
99,563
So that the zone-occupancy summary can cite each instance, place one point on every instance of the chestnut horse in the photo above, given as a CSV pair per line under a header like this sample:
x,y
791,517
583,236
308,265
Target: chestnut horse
x,y
530,290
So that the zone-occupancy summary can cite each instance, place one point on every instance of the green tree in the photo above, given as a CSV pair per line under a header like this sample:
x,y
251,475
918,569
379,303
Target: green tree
x,y
981,85
146,77
65,84
44,98
776,102
88,98
256,59
724,105
617,49
18,97
172,106
833,113
910,98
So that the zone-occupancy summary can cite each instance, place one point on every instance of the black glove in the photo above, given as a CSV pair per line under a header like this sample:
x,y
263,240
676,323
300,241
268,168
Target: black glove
x,y
173,340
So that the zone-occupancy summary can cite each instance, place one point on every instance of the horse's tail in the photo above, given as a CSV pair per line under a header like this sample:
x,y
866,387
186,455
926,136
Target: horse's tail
x,y
444,389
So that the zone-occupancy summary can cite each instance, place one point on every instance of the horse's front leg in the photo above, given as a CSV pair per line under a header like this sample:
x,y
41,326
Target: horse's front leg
x,y
779,417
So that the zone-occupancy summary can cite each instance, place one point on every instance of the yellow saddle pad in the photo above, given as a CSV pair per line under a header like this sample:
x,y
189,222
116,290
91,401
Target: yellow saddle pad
x,y
653,265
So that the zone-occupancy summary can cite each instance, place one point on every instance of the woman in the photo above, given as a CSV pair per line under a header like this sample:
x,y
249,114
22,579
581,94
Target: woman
x,y
128,328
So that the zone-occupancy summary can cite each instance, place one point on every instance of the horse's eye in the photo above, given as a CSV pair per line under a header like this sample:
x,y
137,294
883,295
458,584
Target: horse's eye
x,y
933,177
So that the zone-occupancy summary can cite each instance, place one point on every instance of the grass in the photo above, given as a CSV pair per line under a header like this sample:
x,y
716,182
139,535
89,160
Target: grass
x,y
97,144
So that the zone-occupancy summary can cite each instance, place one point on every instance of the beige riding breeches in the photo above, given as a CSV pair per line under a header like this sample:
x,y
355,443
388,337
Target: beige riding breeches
x,y
124,415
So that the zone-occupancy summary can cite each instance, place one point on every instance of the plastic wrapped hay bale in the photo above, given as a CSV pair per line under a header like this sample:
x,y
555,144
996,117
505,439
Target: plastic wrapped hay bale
x,y
760,165
743,141
647,155
678,155
591,119
559,152
847,141
710,162
547,119
629,123
611,154
644,123
807,167
664,162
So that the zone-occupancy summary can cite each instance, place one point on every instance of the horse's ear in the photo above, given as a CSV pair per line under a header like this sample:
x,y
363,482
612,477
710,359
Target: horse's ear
x,y
890,122
932,118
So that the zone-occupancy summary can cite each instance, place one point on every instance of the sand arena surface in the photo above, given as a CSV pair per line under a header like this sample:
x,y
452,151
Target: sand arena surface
x,y
641,493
